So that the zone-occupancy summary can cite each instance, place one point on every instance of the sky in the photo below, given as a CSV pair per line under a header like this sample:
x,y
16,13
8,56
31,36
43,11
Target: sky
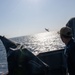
x,y
27,17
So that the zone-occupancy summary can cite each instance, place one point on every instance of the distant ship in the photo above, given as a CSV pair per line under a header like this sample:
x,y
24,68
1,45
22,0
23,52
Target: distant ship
x,y
47,29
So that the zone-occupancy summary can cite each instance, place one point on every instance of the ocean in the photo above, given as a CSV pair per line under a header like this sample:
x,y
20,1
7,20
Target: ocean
x,y
37,43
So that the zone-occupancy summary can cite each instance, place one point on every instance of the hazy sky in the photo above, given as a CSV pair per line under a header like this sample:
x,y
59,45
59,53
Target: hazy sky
x,y
25,17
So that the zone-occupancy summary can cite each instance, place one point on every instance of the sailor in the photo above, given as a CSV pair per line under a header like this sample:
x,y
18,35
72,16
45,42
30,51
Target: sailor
x,y
71,24
67,38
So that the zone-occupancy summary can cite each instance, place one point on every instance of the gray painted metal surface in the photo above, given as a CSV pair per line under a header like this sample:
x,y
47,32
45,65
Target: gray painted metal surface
x,y
56,61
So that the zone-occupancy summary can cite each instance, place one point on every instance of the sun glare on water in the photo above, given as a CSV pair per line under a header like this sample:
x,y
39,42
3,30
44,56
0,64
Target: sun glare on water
x,y
44,36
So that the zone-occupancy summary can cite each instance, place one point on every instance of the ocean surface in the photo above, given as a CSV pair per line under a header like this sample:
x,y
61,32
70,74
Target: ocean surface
x,y
38,43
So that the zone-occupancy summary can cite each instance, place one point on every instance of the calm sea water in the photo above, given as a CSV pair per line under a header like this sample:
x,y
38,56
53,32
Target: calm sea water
x,y
38,43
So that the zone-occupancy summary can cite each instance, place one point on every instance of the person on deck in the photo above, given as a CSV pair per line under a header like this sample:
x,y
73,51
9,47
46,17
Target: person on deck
x,y
67,38
71,24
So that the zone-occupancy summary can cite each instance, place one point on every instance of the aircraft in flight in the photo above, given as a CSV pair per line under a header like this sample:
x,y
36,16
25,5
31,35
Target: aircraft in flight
x,y
47,29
